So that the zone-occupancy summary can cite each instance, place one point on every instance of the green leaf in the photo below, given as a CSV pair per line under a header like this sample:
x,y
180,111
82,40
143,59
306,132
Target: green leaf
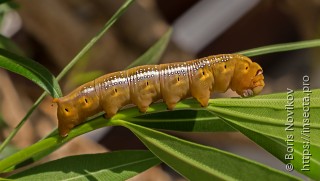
x,y
278,148
10,149
45,146
31,70
28,154
154,53
182,120
198,162
282,47
188,115
267,120
3,123
85,77
9,45
118,165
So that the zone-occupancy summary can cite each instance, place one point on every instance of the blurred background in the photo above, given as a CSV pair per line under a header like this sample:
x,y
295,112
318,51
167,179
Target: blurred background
x,y
52,32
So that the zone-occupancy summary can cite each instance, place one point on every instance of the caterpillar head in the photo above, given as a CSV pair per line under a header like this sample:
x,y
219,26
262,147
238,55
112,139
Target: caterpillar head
x,y
247,79
67,114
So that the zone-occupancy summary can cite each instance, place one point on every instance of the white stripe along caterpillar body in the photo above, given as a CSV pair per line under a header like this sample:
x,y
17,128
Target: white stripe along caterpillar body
x,y
171,82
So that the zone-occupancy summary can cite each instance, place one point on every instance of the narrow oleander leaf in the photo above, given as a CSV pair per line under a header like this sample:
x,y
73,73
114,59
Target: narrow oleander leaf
x,y
154,53
118,165
46,146
9,45
284,124
31,70
182,120
28,155
282,47
198,162
287,151
84,77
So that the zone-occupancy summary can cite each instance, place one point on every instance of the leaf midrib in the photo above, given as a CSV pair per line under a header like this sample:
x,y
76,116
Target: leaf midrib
x,y
112,168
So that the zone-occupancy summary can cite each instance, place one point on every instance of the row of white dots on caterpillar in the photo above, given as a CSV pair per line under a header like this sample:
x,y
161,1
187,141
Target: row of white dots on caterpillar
x,y
87,90
179,69
143,74
114,80
220,59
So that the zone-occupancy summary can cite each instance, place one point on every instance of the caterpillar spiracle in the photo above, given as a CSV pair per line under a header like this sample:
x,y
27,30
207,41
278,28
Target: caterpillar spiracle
x,y
171,82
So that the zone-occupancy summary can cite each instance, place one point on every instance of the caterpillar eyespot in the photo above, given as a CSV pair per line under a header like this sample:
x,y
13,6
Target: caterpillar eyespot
x,y
171,82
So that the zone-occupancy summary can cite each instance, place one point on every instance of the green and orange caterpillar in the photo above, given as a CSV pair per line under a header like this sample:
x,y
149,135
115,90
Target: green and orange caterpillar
x,y
171,82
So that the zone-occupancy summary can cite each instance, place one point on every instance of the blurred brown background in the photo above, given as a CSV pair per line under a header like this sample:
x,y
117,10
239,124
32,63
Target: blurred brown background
x,y
52,32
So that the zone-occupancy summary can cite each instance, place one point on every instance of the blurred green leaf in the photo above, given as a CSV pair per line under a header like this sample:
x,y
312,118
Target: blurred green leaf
x,y
3,124
154,53
31,70
118,165
198,162
9,45
83,77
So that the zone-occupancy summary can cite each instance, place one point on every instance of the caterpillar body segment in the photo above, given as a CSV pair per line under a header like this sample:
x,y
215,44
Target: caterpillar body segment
x,y
171,82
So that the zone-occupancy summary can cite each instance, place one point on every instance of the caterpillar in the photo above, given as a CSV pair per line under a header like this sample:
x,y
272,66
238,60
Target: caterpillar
x,y
171,82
